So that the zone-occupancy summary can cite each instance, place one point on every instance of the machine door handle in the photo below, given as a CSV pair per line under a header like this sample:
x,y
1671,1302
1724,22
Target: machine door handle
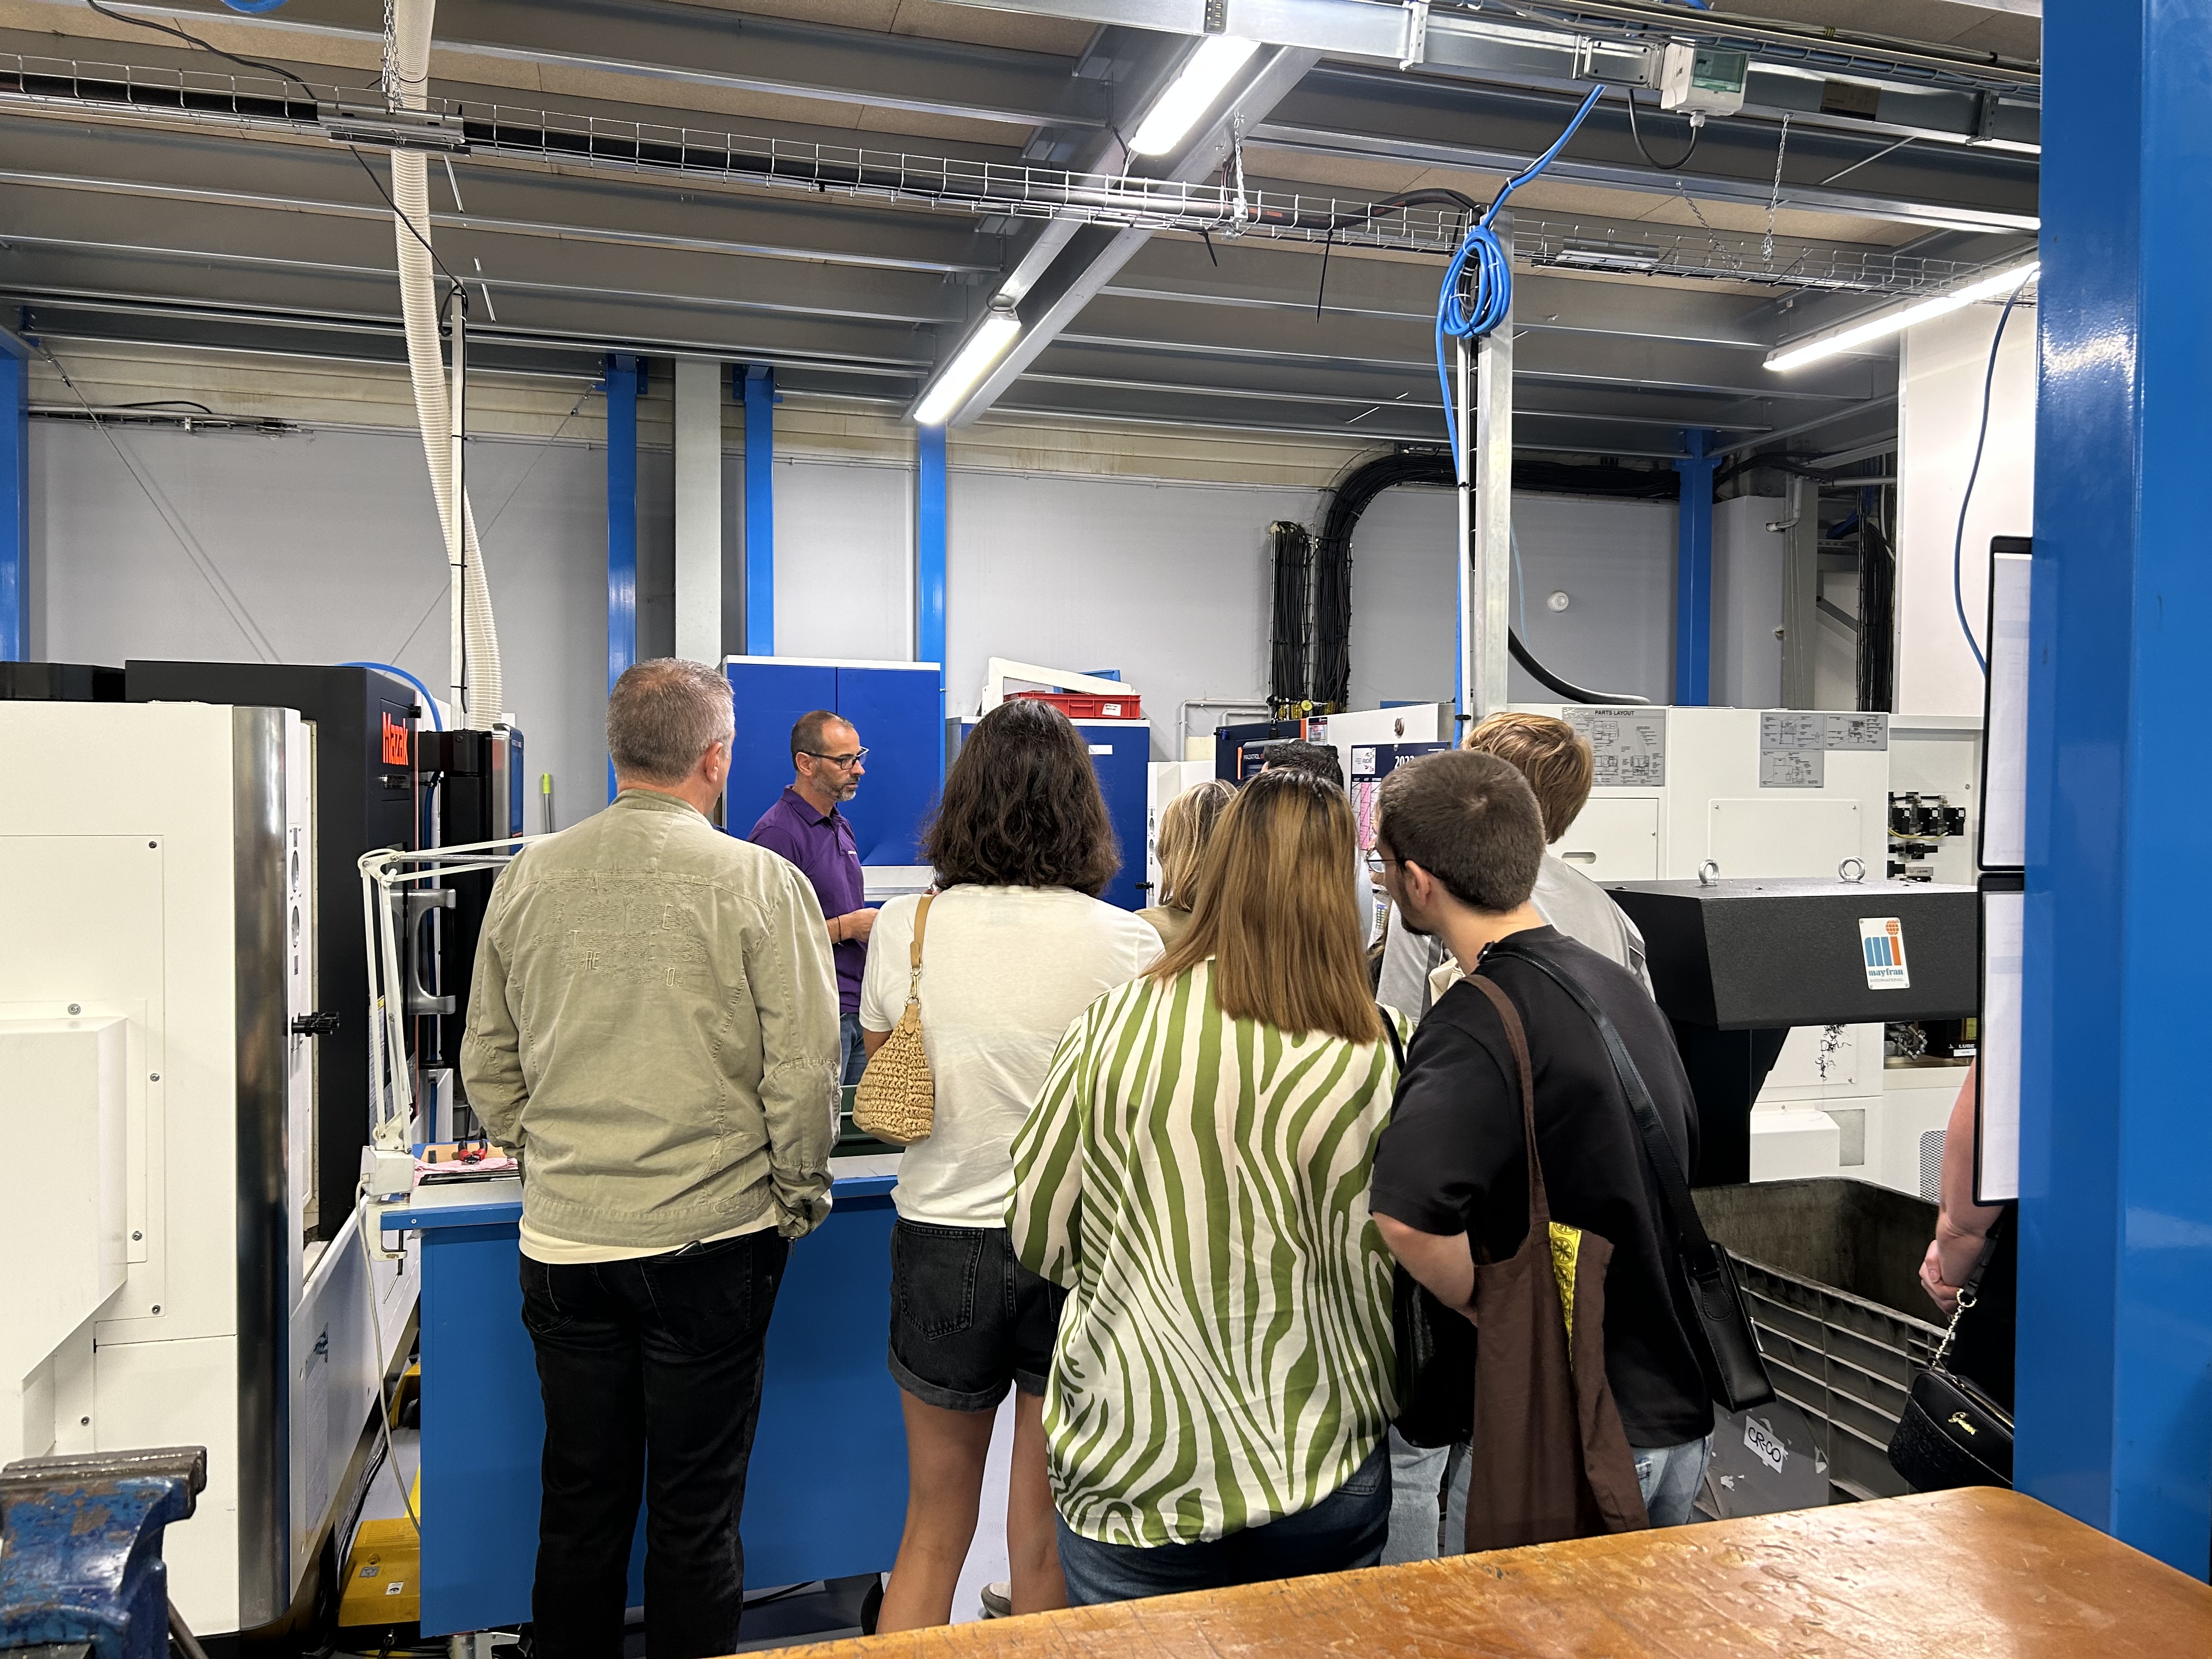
x,y
314,1024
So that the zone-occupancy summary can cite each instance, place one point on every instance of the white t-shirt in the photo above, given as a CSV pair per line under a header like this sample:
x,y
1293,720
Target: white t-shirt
x,y
1004,972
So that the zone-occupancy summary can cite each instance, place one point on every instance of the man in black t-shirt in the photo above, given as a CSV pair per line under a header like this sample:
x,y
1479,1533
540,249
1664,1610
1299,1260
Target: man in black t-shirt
x,y
1460,839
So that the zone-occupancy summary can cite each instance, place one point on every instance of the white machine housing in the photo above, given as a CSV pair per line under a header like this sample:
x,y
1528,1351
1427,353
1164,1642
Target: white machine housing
x,y
1761,792
159,946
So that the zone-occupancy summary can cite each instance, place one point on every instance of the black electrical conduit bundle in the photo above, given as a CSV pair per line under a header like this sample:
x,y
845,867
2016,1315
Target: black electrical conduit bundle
x,y
1331,681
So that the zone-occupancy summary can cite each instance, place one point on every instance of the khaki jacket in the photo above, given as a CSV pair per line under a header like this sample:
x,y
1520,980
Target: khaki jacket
x,y
653,1026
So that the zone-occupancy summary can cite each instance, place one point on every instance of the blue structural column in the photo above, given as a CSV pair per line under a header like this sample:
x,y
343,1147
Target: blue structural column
x,y
929,553
14,499
2115,1384
1693,571
624,376
758,392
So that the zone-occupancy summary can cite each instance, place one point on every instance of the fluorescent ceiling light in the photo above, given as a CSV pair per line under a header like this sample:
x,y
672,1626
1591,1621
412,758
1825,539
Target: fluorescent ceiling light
x,y
985,347
1896,322
1191,93
378,128
1609,256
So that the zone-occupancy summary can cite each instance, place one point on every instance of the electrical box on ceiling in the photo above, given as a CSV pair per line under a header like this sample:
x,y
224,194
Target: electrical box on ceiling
x,y
1699,80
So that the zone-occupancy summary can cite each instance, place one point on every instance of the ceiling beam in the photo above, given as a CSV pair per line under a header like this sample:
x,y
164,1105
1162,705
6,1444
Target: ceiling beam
x,y
702,47
1914,94
113,245
1342,110
299,179
1093,255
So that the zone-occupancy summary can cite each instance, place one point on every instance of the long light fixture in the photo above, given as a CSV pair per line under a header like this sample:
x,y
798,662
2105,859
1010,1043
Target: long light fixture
x,y
970,364
1827,344
1191,93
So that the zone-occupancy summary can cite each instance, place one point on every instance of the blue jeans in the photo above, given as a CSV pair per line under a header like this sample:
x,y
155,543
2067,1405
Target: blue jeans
x,y
1344,1530
856,1056
1669,1477
1417,1484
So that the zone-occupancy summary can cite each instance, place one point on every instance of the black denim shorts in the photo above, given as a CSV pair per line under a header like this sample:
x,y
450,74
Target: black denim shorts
x,y
968,1321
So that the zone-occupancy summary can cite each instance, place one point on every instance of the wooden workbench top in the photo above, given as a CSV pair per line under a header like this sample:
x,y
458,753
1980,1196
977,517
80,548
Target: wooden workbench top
x,y
1980,1574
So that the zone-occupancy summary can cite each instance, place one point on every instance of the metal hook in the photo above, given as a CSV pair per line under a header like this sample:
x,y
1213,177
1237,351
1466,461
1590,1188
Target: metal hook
x,y
1843,870
1709,873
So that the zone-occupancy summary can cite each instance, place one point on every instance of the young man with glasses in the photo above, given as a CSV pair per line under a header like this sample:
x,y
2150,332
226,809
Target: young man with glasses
x,y
806,827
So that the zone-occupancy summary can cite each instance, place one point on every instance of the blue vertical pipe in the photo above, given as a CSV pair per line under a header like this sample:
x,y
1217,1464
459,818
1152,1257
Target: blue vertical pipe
x,y
14,499
929,554
1693,570
621,389
2115,1372
760,510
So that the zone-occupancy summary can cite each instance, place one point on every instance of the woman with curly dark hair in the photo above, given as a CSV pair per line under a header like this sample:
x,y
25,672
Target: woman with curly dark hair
x,y
1016,945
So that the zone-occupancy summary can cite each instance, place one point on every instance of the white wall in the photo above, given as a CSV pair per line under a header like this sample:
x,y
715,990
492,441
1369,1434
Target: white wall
x,y
1614,560
326,543
844,535
1746,652
1940,376
325,547
1167,583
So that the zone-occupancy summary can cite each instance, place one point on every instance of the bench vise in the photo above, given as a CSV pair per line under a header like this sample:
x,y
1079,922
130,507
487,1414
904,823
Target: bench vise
x,y
81,1568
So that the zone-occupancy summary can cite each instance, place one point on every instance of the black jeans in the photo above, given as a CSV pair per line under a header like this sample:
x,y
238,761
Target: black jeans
x,y
651,1372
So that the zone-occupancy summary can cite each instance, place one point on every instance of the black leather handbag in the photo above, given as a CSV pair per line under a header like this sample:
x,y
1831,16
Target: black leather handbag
x,y
1434,1347
1952,1433
1736,1372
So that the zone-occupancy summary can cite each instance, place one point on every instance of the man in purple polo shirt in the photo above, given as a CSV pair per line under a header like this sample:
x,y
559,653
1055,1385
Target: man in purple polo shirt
x,y
806,827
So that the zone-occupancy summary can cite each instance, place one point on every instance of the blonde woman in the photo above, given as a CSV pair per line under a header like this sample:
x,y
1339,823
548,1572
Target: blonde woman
x,y
1185,828
1194,1173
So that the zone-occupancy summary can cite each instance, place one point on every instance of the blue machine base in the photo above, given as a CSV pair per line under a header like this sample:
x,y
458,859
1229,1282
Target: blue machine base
x,y
825,1497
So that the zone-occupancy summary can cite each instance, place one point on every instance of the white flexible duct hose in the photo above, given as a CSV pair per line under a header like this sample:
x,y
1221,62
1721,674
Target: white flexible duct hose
x,y
484,694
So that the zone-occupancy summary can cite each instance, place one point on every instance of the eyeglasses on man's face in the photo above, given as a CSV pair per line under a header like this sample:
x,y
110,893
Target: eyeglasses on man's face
x,y
843,763
1376,863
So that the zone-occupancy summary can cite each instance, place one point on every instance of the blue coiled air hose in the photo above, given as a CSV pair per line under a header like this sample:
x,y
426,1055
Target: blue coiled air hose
x,y
1489,296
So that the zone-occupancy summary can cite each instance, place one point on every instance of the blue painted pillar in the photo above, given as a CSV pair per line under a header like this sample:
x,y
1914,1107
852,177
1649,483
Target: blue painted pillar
x,y
14,499
758,392
929,553
2115,1388
1693,571
624,379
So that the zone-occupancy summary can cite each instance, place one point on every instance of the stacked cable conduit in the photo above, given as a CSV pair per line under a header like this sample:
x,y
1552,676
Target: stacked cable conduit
x,y
481,693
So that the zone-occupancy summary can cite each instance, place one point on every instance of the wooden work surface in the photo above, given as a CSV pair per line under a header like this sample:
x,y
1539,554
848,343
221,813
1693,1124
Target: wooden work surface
x,y
1980,1574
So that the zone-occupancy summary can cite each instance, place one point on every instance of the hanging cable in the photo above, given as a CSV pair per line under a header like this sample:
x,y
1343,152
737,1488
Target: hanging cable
x,y
429,703
1981,437
1478,287
254,63
1697,131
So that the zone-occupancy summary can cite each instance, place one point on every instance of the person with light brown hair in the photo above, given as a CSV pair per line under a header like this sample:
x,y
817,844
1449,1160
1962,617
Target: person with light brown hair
x,y
1193,1173
1186,827
1555,759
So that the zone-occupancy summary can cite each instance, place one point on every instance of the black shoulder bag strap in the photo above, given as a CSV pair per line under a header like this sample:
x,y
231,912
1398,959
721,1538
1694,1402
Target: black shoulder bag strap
x,y
1390,1030
1735,1370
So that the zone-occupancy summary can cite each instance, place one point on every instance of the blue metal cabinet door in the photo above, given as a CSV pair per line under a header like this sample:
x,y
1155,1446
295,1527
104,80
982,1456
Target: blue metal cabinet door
x,y
1122,754
769,696
895,710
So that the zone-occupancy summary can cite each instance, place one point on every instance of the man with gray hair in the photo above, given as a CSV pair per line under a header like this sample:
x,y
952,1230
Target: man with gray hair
x,y
653,1029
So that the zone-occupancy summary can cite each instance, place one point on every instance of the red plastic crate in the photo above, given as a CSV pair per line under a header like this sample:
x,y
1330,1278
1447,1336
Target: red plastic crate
x,y
1083,706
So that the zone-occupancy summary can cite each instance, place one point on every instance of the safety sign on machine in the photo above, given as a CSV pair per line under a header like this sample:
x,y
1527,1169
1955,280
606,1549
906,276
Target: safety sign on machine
x,y
1628,746
1794,743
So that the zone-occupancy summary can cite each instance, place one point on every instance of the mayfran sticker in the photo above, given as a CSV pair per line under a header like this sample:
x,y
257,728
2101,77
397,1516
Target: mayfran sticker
x,y
1882,939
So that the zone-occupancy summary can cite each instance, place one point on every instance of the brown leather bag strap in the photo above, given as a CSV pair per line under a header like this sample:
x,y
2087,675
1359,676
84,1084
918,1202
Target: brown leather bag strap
x,y
1517,1039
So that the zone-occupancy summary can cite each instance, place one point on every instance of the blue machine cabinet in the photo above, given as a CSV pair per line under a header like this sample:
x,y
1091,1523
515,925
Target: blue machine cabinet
x,y
1122,754
894,706
825,1495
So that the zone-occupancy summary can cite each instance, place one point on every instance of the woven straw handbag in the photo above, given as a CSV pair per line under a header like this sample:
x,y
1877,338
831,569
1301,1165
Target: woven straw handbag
x,y
897,1099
